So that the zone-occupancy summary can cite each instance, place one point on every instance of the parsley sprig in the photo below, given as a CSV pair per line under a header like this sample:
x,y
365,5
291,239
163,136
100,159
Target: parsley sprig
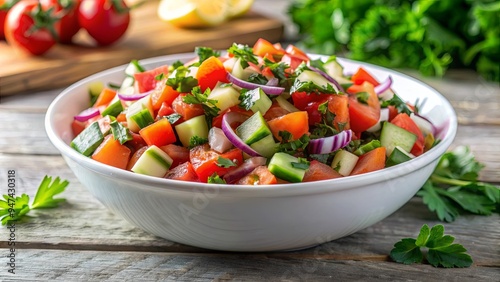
x,y
245,53
15,208
441,250
453,188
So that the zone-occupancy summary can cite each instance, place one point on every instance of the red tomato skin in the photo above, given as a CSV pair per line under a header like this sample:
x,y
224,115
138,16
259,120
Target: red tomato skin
x,y
102,21
17,25
404,121
204,161
68,26
4,9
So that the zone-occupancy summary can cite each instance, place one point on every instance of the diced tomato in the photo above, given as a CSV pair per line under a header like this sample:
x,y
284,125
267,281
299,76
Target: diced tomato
x,y
210,72
104,124
165,110
204,161
163,94
362,75
259,176
146,81
112,153
184,172
371,161
275,111
293,61
136,143
178,154
404,121
393,112
217,121
77,127
363,116
296,123
159,133
310,103
297,52
339,106
263,48
187,111
105,97
319,171
135,156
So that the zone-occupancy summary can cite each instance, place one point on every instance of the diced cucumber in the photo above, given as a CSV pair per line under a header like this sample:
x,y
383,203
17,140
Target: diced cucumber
x,y
95,88
344,162
365,148
142,118
286,105
336,71
225,95
266,146
281,165
127,86
315,78
135,108
133,67
88,140
256,100
196,126
393,135
253,129
114,108
154,162
240,72
398,155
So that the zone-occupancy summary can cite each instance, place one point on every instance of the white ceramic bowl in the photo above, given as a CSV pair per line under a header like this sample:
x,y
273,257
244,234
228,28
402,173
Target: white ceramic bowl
x,y
245,218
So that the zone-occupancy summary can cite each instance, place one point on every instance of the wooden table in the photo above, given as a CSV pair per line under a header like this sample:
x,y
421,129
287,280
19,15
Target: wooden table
x,y
83,241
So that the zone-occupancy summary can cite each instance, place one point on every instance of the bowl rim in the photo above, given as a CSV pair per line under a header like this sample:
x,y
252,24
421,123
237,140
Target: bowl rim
x,y
154,183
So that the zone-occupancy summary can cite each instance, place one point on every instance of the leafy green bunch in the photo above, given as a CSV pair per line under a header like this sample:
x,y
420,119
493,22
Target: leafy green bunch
x,y
454,189
428,35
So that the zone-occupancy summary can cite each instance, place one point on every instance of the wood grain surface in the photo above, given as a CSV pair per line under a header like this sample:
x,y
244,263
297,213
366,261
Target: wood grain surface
x,y
146,37
83,241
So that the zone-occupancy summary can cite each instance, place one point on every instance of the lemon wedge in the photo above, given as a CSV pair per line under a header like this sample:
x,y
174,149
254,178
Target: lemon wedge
x,y
239,7
194,13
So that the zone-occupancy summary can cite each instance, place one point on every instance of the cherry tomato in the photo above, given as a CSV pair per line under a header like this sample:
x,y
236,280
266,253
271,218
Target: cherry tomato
x,y
105,20
30,28
68,26
5,6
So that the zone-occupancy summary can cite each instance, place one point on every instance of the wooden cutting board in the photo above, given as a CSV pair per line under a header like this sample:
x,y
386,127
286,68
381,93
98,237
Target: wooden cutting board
x,y
146,37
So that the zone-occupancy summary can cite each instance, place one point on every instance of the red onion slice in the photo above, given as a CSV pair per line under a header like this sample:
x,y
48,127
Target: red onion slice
x,y
384,86
87,114
270,90
134,97
329,144
229,118
244,169
273,82
328,77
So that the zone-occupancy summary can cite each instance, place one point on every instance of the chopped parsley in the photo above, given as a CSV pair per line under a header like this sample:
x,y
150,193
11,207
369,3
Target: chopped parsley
x,y
225,163
181,82
215,179
205,53
196,141
197,97
244,53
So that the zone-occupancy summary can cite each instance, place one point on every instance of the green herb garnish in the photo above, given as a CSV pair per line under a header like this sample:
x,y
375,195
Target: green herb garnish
x,y
14,208
453,187
225,163
441,250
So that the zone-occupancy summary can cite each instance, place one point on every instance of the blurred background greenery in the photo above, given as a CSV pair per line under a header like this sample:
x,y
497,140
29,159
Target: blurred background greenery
x,y
428,35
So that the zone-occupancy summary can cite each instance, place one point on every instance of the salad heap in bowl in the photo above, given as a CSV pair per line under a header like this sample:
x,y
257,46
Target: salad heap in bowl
x,y
253,148
254,116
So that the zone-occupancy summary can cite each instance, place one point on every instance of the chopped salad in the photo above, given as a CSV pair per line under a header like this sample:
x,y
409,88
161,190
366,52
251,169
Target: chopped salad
x,y
252,115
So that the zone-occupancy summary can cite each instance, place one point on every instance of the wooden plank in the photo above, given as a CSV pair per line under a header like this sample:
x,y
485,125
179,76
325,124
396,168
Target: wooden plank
x,y
147,37
115,266
84,224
